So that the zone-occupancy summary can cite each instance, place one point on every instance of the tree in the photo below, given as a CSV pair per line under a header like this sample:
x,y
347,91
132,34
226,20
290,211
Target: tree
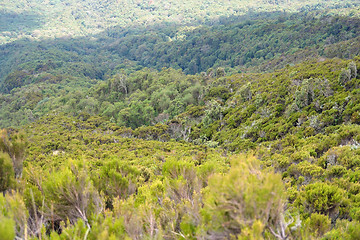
x,y
245,92
344,76
119,83
213,112
353,69
220,72
304,96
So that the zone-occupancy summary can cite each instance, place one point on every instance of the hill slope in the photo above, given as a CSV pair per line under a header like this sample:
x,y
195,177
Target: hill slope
x,y
38,77
298,128
157,120
68,18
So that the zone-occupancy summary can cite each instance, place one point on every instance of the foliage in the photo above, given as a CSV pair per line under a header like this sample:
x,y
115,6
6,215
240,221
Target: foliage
x,y
244,198
261,142
104,73
7,231
6,172
319,224
69,18
70,195
344,229
7,226
14,146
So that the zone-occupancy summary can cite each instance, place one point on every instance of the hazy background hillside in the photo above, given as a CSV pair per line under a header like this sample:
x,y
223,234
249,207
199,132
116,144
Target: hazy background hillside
x,y
71,18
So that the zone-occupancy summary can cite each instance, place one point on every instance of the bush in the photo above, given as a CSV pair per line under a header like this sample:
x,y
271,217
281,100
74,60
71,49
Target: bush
x,y
70,195
7,228
14,145
6,172
322,198
116,179
242,199
344,230
319,224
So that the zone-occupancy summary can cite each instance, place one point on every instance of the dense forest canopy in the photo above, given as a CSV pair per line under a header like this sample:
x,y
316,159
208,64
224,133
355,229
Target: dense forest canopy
x,y
69,18
54,74
155,119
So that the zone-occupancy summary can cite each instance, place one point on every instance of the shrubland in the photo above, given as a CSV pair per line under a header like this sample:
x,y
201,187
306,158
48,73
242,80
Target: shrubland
x,y
244,126
272,155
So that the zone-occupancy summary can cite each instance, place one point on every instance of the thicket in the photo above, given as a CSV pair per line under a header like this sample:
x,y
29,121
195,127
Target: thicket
x,y
112,150
88,177
82,76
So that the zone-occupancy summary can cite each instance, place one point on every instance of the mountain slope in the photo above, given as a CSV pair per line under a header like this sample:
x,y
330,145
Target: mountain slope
x,y
55,72
298,129
63,18
161,119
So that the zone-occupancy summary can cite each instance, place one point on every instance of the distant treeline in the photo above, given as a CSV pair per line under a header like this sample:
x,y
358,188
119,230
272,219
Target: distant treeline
x,y
235,44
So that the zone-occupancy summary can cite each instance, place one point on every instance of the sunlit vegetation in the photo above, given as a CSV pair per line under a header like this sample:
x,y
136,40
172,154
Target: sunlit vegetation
x,y
68,18
97,178
223,120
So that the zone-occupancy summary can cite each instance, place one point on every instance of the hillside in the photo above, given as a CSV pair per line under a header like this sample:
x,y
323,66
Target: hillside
x,y
300,124
69,18
38,77
179,119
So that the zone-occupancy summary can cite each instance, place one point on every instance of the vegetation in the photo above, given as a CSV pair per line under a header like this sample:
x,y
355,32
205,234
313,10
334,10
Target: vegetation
x,y
184,125
88,177
68,18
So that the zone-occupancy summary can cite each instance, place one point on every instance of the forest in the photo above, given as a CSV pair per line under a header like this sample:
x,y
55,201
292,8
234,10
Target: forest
x,y
157,119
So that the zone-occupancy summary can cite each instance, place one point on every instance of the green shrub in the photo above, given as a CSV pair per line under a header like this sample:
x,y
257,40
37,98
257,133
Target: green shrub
x,y
242,198
7,176
344,230
7,228
70,195
321,198
319,224
116,180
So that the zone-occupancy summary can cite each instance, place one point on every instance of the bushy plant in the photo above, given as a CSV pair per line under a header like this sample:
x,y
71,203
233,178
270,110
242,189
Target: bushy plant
x,y
7,176
245,198
322,198
14,145
70,195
